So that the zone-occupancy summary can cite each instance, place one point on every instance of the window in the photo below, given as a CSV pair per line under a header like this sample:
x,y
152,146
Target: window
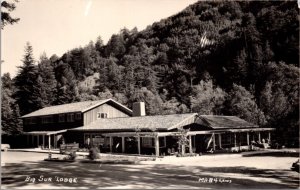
x,y
101,115
70,117
33,120
47,119
61,118
78,116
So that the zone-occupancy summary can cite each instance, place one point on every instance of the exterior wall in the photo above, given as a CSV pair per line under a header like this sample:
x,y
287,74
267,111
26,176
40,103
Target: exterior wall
x,y
54,125
111,111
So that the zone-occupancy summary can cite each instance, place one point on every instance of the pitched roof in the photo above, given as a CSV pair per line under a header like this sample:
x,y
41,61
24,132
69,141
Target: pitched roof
x,y
157,122
75,107
223,122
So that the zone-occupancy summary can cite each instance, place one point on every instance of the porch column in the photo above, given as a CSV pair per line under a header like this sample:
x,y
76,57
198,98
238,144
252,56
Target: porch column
x,y
49,141
190,144
259,136
156,146
248,139
235,139
43,141
214,141
110,143
139,145
220,141
55,141
123,144
269,136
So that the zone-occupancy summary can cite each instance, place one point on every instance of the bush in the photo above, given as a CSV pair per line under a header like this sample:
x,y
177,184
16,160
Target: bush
x,y
94,153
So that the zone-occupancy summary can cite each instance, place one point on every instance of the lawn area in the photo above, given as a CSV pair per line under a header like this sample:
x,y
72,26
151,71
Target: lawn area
x,y
226,171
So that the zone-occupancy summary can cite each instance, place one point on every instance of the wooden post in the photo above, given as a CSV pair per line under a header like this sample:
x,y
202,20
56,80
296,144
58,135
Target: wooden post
x,y
110,143
234,139
214,141
259,136
220,141
43,141
269,137
55,141
49,141
139,145
123,144
156,145
248,141
190,144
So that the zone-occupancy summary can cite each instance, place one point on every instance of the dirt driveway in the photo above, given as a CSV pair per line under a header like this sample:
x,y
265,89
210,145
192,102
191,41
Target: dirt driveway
x,y
195,172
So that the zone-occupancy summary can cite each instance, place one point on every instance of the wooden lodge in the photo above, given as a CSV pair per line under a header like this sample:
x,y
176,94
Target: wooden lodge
x,y
115,128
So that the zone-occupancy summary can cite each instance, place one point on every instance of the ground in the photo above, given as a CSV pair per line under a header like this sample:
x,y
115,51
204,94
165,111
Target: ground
x,y
205,172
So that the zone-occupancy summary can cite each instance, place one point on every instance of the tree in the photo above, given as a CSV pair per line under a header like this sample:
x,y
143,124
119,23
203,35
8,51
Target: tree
x,y
26,83
240,102
115,46
206,99
47,80
10,116
153,101
6,9
99,45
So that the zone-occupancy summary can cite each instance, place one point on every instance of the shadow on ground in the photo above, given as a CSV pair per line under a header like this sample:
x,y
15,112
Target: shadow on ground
x,y
91,175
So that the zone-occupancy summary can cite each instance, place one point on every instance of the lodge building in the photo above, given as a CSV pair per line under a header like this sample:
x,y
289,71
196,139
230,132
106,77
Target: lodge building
x,y
117,129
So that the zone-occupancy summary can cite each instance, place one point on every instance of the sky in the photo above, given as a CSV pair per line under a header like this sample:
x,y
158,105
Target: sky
x,y
56,26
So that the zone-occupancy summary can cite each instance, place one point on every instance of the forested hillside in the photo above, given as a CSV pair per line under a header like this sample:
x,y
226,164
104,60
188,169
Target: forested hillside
x,y
229,58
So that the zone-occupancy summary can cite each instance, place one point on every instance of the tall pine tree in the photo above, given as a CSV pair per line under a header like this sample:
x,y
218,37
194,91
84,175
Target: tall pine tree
x,y
25,83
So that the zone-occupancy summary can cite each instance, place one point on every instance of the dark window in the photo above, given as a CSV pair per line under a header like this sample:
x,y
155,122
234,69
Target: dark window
x,y
47,119
78,116
70,117
61,118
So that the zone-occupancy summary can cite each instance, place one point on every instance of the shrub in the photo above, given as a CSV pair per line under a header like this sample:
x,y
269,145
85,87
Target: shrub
x,y
94,153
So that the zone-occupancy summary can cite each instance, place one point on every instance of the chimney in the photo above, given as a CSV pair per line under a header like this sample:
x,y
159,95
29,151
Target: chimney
x,y
138,109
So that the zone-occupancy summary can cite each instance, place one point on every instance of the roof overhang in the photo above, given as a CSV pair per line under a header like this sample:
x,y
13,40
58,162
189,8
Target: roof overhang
x,y
163,134
45,132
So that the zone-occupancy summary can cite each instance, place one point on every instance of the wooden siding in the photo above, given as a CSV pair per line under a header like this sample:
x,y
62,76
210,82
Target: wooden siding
x,y
112,112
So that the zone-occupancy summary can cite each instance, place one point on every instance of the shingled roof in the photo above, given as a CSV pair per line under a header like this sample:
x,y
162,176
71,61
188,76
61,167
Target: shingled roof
x,y
223,122
157,122
76,107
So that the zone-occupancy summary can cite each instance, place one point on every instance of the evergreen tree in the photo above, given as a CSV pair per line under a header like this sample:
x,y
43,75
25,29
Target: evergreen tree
x,y
6,8
206,99
240,102
47,81
25,83
10,121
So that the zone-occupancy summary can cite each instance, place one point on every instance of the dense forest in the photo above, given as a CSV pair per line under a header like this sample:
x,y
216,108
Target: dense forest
x,y
228,58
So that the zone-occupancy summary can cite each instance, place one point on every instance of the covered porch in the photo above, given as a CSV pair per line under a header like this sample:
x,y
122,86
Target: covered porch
x,y
166,143
44,139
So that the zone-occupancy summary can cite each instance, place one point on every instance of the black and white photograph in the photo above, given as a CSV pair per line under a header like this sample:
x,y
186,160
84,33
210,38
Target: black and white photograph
x,y
149,94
